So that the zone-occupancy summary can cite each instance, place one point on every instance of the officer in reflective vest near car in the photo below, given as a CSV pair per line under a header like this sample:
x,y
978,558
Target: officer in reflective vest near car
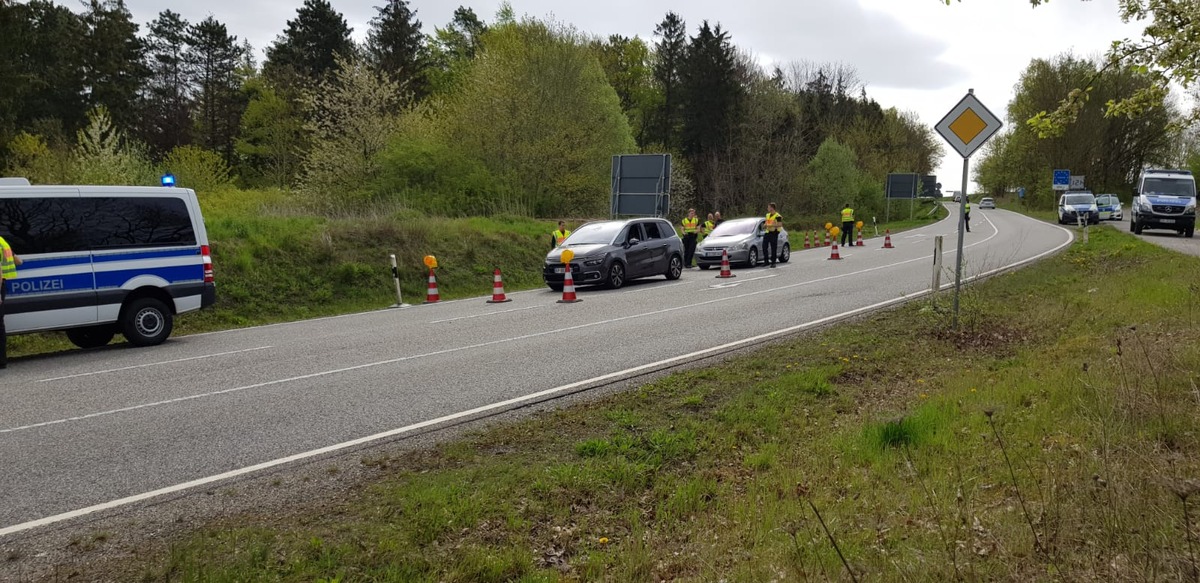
x,y
557,237
847,226
691,226
967,214
8,270
709,225
771,235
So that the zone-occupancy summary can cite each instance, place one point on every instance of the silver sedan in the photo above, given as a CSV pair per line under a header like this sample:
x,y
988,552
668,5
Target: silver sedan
x,y
743,240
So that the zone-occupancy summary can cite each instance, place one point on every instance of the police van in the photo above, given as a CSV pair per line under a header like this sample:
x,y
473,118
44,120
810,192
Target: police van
x,y
1164,199
102,260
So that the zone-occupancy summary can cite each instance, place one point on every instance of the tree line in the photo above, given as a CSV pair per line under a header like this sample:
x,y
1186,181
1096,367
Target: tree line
x,y
516,115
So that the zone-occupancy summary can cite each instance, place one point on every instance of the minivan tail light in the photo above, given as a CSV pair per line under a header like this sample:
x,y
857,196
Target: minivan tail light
x,y
206,257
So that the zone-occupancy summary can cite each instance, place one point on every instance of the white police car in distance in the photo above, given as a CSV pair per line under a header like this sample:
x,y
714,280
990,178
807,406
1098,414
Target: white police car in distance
x,y
98,260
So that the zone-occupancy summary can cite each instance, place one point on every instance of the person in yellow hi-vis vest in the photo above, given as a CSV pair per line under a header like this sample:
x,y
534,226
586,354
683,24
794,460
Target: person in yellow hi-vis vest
x,y
709,225
847,226
557,237
771,230
8,270
691,227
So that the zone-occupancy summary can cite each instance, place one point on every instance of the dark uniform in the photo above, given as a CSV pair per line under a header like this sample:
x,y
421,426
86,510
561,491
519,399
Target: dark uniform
x,y
967,216
690,227
847,226
771,237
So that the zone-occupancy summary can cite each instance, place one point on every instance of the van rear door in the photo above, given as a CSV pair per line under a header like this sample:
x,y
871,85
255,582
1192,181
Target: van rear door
x,y
55,285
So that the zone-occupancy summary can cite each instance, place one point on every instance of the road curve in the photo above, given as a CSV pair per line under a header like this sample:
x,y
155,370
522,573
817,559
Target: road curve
x,y
90,430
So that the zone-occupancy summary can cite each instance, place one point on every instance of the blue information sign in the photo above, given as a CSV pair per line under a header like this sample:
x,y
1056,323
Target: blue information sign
x,y
1062,179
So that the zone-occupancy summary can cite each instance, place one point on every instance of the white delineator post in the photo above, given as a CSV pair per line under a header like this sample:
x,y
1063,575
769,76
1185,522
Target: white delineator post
x,y
937,263
396,278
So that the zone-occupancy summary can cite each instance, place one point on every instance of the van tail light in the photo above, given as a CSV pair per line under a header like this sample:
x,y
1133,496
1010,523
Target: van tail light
x,y
206,256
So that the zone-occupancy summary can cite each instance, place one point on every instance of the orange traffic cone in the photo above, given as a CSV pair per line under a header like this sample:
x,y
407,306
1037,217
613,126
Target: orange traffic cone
x,y
860,241
826,238
887,239
725,273
568,288
432,296
497,289
806,240
834,252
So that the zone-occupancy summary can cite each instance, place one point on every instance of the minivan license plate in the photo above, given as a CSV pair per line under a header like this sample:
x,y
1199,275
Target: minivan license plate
x,y
559,270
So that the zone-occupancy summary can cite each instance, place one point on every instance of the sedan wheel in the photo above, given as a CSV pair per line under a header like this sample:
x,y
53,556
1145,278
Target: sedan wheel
x,y
616,275
675,267
752,258
786,253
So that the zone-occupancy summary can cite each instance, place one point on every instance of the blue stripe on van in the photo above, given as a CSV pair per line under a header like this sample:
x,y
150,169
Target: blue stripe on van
x,y
50,284
53,262
103,257
175,274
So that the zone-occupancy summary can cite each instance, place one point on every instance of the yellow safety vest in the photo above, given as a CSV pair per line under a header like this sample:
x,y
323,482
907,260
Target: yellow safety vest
x,y
968,208
847,215
689,225
560,236
8,266
773,221
708,227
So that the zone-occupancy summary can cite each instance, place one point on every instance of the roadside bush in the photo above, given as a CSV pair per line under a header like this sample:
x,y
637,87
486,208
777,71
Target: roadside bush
x,y
428,175
197,168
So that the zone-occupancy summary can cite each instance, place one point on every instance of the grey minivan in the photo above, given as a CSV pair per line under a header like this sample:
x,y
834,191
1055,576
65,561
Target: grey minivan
x,y
614,252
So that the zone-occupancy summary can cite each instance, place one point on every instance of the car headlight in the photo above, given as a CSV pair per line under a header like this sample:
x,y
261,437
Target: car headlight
x,y
593,261
1190,208
1094,208
739,246
1144,206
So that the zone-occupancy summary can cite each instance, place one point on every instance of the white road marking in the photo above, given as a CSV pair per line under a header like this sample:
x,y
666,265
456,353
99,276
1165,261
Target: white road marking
x,y
498,406
463,348
487,314
741,281
85,374
652,287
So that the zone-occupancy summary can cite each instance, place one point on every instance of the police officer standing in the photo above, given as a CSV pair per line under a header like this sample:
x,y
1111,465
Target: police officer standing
x,y
691,226
771,236
709,225
718,220
8,270
967,213
847,226
557,237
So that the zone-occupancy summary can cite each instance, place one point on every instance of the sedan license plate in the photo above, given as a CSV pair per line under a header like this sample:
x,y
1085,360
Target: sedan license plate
x,y
1166,221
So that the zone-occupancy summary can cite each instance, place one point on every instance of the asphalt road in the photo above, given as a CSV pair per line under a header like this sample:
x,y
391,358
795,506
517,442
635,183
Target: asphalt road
x,y
88,430
1168,239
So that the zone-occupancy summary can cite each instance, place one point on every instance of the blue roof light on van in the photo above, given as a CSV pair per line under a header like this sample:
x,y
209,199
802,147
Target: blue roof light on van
x,y
168,180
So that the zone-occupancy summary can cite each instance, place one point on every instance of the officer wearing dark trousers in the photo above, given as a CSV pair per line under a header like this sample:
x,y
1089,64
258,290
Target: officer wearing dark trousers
x,y
8,270
847,226
967,215
691,226
771,235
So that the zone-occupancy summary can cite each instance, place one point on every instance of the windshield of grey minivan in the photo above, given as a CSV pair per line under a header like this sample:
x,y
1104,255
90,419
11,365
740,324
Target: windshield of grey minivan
x,y
730,228
1169,187
1074,199
594,234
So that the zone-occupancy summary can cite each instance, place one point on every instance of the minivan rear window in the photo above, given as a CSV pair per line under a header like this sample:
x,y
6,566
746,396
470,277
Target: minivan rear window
x,y
58,225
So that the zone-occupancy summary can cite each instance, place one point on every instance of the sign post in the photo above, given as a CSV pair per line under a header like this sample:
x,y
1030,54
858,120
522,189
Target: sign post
x,y
966,127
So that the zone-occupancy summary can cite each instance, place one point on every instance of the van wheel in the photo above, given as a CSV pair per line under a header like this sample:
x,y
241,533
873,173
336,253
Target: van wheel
x,y
146,322
91,336
1137,228
1190,232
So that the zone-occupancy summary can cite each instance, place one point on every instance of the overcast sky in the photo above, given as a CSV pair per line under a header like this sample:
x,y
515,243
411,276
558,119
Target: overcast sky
x,y
915,55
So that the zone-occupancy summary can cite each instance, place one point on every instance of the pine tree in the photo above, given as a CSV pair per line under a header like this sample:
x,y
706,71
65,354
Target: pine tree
x,y
168,122
396,46
48,81
710,91
671,50
114,69
213,58
305,53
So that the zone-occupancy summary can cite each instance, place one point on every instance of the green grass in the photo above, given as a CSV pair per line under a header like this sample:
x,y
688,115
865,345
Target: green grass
x,y
1083,365
275,262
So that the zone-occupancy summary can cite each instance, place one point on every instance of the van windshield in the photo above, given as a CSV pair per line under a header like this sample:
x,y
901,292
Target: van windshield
x,y
595,234
1079,199
1169,187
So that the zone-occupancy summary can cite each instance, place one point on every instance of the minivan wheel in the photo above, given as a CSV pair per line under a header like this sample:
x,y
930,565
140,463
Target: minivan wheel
x,y
752,258
616,275
91,336
146,322
555,287
786,253
674,267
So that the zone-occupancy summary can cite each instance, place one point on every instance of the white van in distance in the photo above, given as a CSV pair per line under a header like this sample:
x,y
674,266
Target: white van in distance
x,y
98,260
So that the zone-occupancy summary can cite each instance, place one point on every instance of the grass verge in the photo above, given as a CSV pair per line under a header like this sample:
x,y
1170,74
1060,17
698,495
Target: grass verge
x,y
276,264
1056,436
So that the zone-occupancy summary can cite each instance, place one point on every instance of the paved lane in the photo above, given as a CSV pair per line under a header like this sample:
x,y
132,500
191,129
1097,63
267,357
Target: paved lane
x,y
89,428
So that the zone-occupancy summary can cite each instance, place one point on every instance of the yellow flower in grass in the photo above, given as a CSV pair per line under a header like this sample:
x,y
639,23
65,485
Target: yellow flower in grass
x,y
603,540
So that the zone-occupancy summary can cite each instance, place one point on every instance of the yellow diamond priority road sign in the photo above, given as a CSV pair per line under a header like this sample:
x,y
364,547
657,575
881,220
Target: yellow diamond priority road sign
x,y
968,125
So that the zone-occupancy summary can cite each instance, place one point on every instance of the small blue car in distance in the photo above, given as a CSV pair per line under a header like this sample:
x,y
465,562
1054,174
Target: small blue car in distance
x,y
1109,206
